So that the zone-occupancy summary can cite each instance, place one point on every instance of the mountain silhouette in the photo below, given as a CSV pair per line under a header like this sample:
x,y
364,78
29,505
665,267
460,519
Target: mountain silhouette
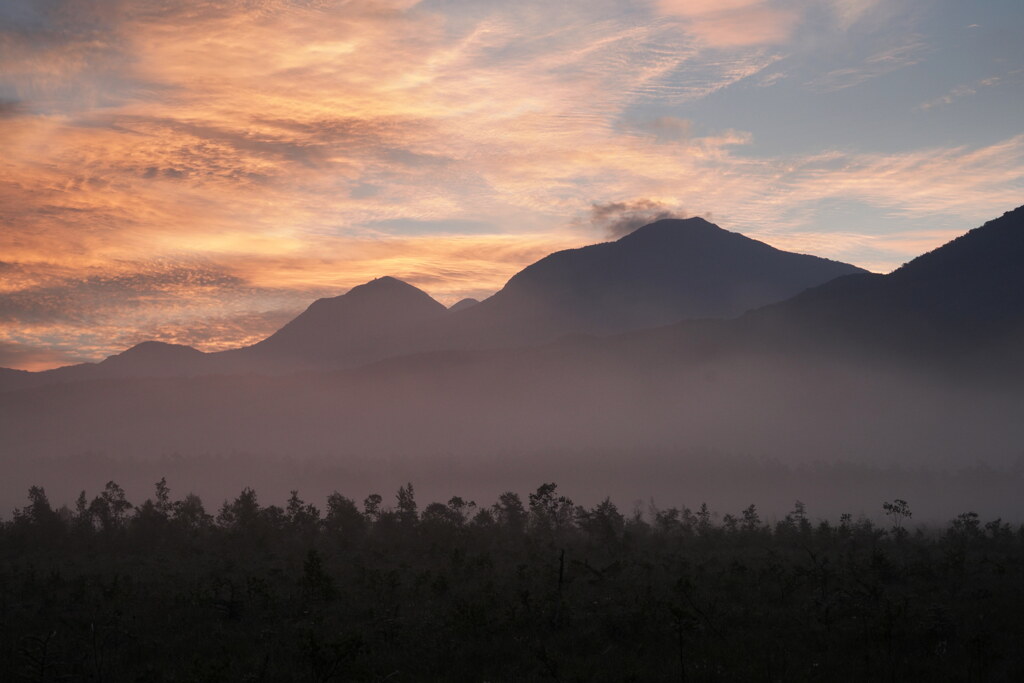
x,y
664,272
865,368
150,353
349,328
147,359
966,294
463,304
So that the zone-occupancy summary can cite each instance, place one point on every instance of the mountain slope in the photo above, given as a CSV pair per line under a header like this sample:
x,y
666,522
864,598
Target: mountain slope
x,y
148,359
664,272
777,383
348,329
344,330
966,294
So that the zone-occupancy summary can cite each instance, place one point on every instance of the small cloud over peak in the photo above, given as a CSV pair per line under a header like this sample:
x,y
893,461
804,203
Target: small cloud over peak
x,y
618,219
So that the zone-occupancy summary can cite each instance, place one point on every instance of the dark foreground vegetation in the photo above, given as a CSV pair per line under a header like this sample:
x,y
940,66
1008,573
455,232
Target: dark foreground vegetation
x,y
529,590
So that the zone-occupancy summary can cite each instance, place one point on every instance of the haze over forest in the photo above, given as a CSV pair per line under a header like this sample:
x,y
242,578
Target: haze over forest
x,y
679,363
476,340
734,251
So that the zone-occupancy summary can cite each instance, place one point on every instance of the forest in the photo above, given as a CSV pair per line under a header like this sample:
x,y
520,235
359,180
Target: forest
x,y
518,590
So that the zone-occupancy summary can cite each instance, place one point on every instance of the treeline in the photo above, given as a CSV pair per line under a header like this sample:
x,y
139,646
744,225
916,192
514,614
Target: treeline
x,y
519,590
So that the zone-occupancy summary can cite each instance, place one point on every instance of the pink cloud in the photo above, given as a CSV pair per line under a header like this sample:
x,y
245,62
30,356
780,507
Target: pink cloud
x,y
264,141
733,23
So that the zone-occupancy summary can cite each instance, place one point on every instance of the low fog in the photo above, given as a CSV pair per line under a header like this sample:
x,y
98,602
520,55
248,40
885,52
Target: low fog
x,y
601,417
860,389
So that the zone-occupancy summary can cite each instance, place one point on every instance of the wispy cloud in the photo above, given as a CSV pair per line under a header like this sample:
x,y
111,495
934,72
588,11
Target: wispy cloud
x,y
961,91
906,54
197,171
31,357
849,12
734,23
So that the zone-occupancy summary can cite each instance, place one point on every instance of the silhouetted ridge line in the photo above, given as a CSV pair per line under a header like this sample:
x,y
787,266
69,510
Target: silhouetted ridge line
x,y
667,271
463,304
670,270
963,300
155,350
351,323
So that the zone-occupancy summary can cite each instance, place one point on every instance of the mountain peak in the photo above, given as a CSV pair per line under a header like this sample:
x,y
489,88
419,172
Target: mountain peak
x,y
693,233
353,321
669,270
156,350
383,291
675,225
463,304
385,283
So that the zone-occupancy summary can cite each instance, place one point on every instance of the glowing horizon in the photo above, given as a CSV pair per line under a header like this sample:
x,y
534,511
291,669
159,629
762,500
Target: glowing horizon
x,y
200,172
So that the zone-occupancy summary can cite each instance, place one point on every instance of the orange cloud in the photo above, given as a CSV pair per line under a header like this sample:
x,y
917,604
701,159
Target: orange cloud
x,y
186,170
734,23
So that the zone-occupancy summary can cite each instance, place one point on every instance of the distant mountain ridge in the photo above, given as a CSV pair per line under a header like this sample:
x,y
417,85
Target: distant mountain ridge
x,y
967,293
350,327
664,272
922,366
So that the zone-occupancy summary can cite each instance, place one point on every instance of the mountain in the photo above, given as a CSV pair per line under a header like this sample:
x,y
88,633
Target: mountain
x,y
153,358
967,295
347,330
834,375
370,321
463,304
148,359
661,273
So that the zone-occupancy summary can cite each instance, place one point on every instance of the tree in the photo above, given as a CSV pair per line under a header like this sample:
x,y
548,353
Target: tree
x,y
549,511
966,525
509,512
343,517
371,506
751,520
704,519
110,507
439,514
83,517
241,514
302,517
460,509
38,515
898,510
406,505
152,516
163,502
604,523
190,515
38,511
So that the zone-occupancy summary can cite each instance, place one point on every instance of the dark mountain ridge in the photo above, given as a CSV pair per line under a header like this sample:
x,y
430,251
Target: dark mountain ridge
x,y
664,272
347,329
964,297
843,373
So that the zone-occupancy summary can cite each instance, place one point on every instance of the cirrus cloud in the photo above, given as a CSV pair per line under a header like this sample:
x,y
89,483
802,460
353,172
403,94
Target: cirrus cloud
x,y
197,171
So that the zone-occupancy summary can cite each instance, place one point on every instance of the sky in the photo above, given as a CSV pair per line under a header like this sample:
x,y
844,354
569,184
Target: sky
x,y
198,171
